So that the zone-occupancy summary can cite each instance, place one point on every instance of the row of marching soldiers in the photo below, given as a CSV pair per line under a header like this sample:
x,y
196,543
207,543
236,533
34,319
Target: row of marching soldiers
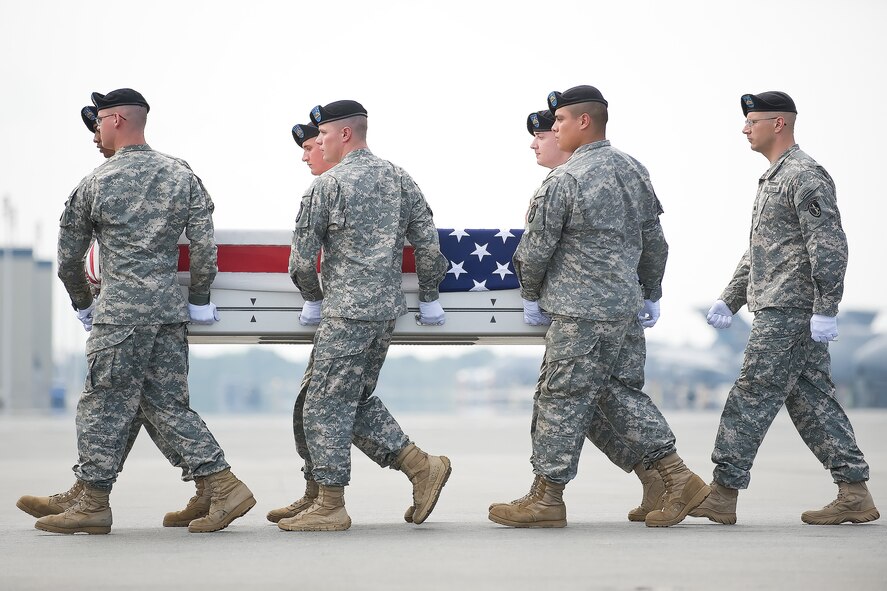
x,y
590,264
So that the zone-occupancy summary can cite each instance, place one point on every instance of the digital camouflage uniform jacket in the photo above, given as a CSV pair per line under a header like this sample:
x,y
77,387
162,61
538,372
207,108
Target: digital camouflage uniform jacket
x,y
138,203
593,246
797,253
360,212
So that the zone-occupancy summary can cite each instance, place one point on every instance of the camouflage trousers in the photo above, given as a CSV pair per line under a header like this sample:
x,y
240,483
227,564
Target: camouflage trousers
x,y
166,449
366,435
168,452
590,384
783,365
133,367
338,405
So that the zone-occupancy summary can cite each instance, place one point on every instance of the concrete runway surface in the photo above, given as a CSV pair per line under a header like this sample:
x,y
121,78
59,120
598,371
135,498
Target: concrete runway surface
x,y
457,547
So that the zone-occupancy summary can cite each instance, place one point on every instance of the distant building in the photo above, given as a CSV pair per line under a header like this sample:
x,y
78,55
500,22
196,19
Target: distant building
x,y
870,373
26,366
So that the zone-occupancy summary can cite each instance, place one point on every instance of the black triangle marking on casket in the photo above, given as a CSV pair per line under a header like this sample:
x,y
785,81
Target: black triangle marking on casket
x,y
253,319
253,300
493,301
493,320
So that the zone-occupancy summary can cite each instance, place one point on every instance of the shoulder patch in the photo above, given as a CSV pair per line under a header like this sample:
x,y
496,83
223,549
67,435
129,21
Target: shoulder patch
x,y
814,209
531,215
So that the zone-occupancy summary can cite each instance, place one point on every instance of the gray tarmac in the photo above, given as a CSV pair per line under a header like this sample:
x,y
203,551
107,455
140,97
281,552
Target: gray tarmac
x,y
457,547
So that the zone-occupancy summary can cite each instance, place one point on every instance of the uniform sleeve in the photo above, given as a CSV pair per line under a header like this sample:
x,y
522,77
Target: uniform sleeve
x,y
545,222
654,253
201,236
75,232
820,222
311,225
431,264
735,295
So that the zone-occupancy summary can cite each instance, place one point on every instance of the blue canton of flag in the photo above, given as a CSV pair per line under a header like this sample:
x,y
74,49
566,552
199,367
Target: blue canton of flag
x,y
480,260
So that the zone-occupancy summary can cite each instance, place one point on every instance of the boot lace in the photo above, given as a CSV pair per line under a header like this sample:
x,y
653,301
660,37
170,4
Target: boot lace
x,y
837,501
292,506
67,494
529,494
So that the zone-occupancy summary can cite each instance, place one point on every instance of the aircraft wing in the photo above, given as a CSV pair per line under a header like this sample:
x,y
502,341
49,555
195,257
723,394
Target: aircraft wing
x,y
258,302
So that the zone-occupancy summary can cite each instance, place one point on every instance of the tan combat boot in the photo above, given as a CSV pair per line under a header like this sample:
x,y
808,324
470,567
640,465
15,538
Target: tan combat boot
x,y
653,487
90,514
229,499
196,508
684,491
719,506
51,505
296,507
543,507
854,504
326,513
428,474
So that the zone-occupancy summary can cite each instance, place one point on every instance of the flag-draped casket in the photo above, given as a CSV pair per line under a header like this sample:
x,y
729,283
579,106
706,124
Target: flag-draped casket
x,y
258,302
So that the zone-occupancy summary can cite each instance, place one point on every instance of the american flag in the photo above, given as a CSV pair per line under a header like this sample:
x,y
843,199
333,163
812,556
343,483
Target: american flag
x,y
479,260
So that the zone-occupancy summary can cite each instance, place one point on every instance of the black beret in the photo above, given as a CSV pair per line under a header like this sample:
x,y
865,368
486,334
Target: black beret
x,y
116,98
335,111
89,115
540,121
302,132
771,101
572,96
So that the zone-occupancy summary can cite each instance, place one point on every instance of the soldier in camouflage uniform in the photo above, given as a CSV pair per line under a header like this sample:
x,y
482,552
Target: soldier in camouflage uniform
x,y
612,428
592,252
792,279
54,504
137,204
364,436
360,213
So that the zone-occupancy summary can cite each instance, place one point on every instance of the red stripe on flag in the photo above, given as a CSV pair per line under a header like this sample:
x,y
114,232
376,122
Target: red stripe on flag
x,y
265,258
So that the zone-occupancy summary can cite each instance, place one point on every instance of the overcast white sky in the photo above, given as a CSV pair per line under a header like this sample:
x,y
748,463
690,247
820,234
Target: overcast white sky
x,y
448,86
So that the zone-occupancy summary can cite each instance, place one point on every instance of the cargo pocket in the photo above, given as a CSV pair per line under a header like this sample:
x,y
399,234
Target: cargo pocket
x,y
303,218
772,362
337,220
67,218
566,362
770,193
337,345
103,358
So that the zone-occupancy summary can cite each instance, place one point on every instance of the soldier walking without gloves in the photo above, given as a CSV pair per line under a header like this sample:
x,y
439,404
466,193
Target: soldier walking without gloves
x,y
792,279
137,204
360,213
592,253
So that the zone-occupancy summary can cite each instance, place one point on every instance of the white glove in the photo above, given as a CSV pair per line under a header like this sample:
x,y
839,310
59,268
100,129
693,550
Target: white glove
x,y
719,315
533,314
431,314
650,314
310,315
85,316
822,328
206,314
